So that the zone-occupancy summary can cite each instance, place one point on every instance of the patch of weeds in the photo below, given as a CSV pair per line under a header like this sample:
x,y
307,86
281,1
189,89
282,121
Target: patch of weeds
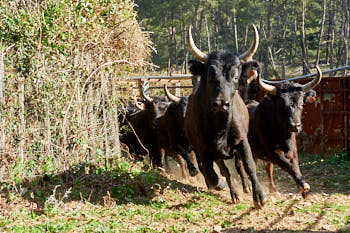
x,y
240,207
208,212
226,223
160,215
123,192
301,209
159,203
335,207
177,228
316,208
338,221
188,216
191,205
130,212
142,229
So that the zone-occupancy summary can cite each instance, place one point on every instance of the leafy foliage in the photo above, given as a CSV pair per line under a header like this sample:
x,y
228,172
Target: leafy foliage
x,y
60,92
214,23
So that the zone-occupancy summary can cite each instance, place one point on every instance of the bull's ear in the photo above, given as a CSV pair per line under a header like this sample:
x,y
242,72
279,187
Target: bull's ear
x,y
197,67
310,97
250,70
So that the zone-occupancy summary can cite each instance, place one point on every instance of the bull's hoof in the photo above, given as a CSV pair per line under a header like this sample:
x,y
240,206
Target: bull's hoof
x,y
235,199
247,189
305,194
304,190
306,187
259,199
193,171
221,185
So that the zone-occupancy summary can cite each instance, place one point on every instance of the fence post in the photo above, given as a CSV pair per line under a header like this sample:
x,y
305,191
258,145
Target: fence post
x,y
22,117
145,86
177,89
133,89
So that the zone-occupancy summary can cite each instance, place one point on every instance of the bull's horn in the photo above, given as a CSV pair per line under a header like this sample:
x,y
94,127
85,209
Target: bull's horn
x,y
266,87
195,51
253,48
172,97
146,97
139,106
313,83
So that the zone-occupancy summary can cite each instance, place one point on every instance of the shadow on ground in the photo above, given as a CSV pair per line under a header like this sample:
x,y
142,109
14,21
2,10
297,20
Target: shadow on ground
x,y
95,185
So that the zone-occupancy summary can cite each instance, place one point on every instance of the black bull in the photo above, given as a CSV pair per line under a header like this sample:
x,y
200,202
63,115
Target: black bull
x,y
217,119
273,125
158,127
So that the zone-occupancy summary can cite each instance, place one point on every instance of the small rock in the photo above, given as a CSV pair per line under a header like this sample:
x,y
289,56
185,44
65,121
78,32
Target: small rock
x,y
217,229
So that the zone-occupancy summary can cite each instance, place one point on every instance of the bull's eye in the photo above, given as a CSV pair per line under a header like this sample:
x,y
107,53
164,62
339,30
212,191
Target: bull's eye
x,y
234,74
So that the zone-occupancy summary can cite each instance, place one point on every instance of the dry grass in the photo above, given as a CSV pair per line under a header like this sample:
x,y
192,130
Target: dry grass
x,y
59,97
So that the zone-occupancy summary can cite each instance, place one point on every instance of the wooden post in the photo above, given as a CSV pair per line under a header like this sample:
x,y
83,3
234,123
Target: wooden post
x,y
115,126
104,113
48,132
177,89
2,75
145,86
133,89
22,117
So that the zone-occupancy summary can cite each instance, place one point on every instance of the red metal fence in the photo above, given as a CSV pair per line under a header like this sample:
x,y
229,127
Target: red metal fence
x,y
326,123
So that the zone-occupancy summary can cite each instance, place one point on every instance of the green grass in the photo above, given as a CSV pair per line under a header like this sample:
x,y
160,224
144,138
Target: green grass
x,y
129,197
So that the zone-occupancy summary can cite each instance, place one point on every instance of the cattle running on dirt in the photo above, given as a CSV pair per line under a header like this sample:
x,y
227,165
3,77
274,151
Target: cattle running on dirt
x,y
170,133
217,118
274,123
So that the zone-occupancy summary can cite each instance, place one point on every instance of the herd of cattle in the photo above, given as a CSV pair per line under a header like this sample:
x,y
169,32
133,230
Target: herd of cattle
x,y
221,121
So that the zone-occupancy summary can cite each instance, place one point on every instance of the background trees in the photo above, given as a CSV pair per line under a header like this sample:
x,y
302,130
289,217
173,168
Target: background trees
x,y
294,33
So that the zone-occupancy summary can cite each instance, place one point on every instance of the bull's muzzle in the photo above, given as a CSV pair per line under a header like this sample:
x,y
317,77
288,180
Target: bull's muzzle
x,y
221,106
294,127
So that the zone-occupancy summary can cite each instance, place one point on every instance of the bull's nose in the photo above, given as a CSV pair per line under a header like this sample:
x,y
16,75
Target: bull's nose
x,y
226,103
296,127
221,106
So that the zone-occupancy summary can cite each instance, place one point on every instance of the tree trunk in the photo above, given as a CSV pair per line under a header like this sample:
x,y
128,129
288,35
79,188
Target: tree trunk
x,y
284,41
185,50
304,52
321,33
208,34
235,31
332,36
346,34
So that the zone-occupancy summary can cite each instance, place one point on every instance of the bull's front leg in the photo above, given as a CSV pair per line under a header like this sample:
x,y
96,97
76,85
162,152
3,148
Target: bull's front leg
x,y
186,156
269,172
226,173
206,167
291,166
245,152
242,174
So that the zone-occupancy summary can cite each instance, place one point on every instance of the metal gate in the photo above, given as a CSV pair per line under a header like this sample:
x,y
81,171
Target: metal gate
x,y
326,123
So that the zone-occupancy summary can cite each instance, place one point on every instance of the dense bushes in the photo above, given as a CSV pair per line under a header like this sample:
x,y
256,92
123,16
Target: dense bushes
x,y
59,96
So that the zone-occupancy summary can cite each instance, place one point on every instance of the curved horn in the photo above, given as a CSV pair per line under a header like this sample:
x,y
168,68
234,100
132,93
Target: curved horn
x,y
195,51
146,97
266,87
172,97
253,48
139,106
313,83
